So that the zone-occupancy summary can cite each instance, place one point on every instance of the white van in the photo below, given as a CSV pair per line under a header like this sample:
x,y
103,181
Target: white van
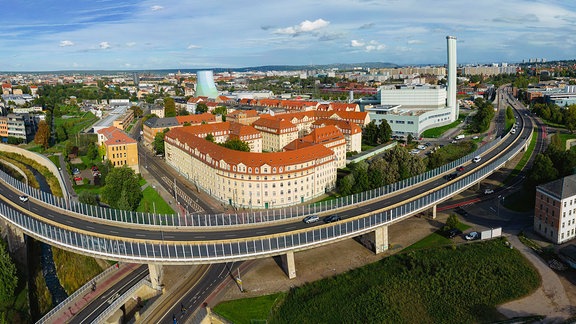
x,y
459,137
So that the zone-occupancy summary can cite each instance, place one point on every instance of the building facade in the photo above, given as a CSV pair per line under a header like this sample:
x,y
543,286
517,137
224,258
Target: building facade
x,y
555,210
119,148
252,180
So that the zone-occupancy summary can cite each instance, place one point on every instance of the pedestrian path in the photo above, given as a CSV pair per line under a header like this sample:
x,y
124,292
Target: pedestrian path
x,y
90,292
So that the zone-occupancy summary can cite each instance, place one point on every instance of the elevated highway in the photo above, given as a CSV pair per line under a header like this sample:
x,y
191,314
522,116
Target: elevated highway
x,y
200,239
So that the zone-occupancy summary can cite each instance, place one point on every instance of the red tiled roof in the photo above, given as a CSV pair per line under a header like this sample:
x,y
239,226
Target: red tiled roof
x,y
276,124
249,113
196,119
114,136
341,124
250,159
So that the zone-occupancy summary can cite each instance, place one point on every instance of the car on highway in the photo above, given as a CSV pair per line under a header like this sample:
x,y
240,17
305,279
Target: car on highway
x,y
23,198
311,219
331,218
476,159
460,168
488,191
472,236
451,176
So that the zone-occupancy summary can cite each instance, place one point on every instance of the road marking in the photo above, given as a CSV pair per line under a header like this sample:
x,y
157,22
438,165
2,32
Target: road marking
x,y
89,227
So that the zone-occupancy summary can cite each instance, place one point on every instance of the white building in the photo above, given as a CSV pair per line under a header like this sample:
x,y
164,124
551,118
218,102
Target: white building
x,y
413,109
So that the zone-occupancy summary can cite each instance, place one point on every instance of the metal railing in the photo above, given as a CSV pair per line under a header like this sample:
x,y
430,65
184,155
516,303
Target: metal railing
x,y
261,216
120,300
79,291
186,252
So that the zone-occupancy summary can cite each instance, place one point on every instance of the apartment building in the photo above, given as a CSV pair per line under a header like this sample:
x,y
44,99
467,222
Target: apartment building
x,y
124,120
119,148
252,180
555,210
275,133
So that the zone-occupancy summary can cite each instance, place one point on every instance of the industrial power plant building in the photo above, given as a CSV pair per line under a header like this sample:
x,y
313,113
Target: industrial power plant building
x,y
412,109
205,86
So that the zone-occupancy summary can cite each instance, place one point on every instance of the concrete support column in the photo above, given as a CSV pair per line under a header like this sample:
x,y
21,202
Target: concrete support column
x,y
156,275
288,264
381,239
434,212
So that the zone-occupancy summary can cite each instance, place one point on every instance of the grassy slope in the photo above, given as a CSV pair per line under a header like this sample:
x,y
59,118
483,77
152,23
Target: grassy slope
x,y
456,284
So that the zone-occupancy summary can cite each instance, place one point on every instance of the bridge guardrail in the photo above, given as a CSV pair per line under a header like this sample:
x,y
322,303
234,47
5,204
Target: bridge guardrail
x,y
174,252
261,216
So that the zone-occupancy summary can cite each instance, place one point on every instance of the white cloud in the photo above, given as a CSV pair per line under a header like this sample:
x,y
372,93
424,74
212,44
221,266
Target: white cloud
x,y
104,45
192,46
156,8
131,44
369,46
65,43
304,27
414,41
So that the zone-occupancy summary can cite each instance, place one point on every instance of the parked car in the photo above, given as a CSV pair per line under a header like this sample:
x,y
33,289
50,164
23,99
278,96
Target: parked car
x,y
488,191
476,159
472,236
75,171
475,137
77,178
421,147
331,218
453,233
23,198
311,219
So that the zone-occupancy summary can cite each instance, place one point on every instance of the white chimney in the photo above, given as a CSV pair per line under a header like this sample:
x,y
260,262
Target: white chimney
x,y
451,90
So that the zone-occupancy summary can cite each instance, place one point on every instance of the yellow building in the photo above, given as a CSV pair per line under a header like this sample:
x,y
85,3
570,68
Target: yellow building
x,y
119,148
124,120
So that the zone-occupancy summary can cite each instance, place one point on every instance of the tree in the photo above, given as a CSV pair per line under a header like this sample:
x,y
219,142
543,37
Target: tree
x,y
209,138
542,171
61,134
8,278
169,107
220,110
570,118
452,222
384,132
86,197
158,142
92,152
42,136
137,111
201,108
236,144
122,189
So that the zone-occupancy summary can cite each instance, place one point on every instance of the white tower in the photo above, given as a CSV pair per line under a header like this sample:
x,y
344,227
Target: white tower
x,y
451,101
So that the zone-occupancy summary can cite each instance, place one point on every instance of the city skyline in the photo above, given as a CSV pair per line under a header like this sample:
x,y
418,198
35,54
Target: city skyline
x,y
140,35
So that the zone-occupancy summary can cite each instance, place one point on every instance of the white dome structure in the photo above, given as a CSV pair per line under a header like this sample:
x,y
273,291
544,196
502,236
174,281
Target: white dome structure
x,y
205,86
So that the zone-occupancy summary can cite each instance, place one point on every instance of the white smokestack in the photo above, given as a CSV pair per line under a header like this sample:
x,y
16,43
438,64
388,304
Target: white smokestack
x,y
451,95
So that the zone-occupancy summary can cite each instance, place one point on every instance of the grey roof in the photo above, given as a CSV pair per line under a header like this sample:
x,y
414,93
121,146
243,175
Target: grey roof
x,y
156,122
561,188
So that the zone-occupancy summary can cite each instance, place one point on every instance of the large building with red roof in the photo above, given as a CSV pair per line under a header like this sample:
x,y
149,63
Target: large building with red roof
x,y
248,179
120,149
276,133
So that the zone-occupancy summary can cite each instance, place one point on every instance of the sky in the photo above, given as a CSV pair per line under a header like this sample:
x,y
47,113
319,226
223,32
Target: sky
x,y
52,35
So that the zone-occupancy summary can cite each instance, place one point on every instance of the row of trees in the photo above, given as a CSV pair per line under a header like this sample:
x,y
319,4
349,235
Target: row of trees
x,y
374,135
394,165
559,115
480,122
556,162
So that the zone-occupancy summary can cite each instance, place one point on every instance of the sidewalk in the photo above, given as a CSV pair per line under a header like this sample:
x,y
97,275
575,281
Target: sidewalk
x,y
102,285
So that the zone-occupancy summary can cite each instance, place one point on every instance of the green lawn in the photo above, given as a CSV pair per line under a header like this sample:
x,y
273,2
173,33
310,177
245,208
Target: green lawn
x,y
434,240
249,310
438,131
152,201
565,137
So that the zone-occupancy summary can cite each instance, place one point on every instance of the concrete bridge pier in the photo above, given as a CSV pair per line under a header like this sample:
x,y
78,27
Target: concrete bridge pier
x,y
288,264
434,212
156,275
380,239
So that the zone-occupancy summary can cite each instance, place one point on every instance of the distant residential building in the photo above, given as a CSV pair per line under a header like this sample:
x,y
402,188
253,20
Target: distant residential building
x,y
119,148
555,210
124,120
21,126
158,111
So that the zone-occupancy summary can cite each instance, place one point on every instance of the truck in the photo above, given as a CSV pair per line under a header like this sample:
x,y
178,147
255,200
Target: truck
x,y
459,137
